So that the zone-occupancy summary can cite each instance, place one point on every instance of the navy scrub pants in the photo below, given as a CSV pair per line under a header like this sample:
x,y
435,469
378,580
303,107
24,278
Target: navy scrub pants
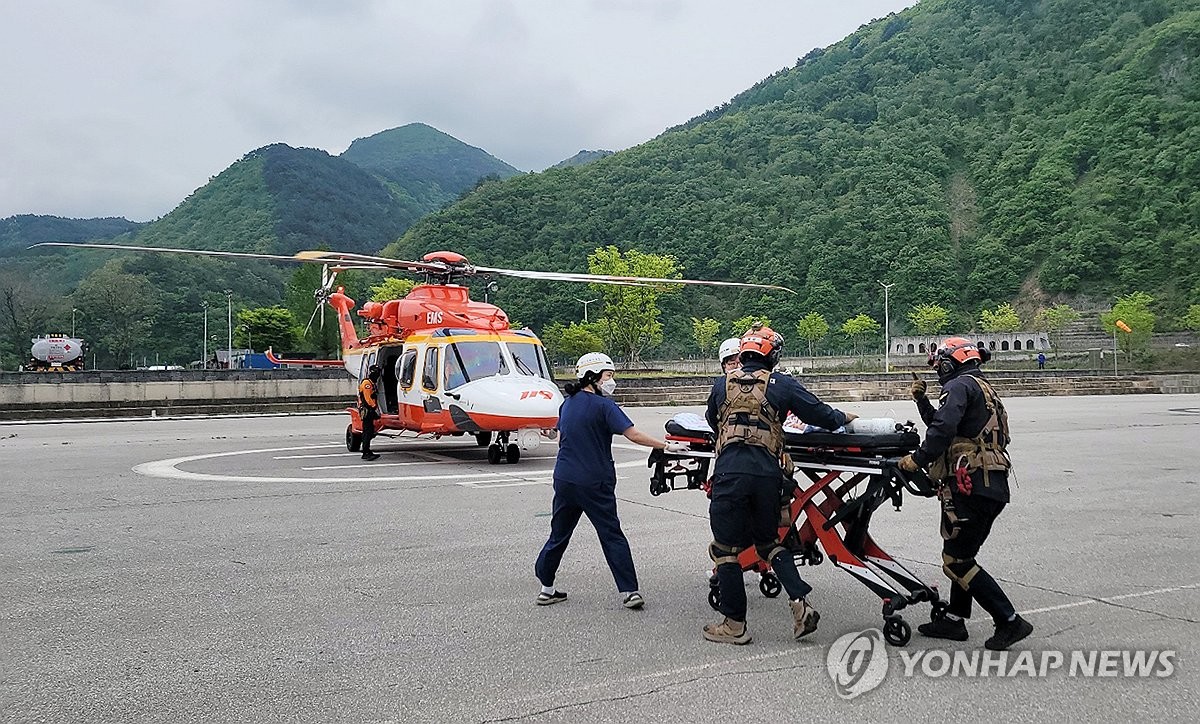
x,y
599,503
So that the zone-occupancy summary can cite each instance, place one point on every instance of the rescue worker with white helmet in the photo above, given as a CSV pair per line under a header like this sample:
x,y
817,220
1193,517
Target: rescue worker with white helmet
x,y
966,452
746,408
728,354
585,478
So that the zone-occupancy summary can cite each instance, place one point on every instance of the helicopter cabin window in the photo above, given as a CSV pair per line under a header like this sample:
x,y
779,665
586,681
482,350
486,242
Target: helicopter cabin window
x,y
529,359
429,374
470,361
408,368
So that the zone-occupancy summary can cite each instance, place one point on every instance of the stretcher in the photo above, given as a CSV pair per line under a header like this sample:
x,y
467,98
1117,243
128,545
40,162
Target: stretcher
x,y
840,480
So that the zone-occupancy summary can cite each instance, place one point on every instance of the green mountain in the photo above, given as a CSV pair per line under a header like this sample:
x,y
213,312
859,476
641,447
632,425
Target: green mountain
x,y
971,152
424,164
582,157
18,232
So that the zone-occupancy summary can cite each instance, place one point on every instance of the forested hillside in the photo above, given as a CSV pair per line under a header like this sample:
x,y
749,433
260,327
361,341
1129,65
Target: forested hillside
x,y
971,152
18,232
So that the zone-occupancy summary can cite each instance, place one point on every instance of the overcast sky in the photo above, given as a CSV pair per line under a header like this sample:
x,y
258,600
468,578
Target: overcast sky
x,y
124,107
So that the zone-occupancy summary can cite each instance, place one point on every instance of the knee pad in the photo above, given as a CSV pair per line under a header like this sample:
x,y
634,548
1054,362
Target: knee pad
x,y
769,551
722,554
960,570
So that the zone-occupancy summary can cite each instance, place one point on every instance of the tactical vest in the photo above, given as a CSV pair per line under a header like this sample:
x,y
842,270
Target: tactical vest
x,y
987,451
746,416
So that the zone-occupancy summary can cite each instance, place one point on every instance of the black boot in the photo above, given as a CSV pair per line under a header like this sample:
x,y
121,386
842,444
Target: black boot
x,y
368,455
944,628
1008,633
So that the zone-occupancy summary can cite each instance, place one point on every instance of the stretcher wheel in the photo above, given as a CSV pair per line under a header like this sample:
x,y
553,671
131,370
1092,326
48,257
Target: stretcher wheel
x,y
769,585
896,631
714,598
513,453
494,454
937,611
353,439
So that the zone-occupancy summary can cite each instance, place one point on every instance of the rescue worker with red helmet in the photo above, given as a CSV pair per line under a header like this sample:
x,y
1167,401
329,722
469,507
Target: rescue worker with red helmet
x,y
746,408
368,409
585,478
966,452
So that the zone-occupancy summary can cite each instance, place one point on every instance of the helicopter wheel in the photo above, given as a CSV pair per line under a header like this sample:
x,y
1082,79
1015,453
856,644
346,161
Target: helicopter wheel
x,y
494,454
353,439
513,453
483,439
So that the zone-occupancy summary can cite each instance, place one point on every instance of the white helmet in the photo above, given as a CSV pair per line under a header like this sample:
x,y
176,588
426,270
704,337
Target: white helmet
x,y
595,362
729,348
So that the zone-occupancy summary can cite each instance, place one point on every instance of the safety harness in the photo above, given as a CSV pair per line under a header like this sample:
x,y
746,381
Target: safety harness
x,y
987,451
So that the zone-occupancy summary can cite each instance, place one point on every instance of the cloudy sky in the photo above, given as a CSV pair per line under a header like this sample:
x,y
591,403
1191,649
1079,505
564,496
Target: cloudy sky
x,y
124,107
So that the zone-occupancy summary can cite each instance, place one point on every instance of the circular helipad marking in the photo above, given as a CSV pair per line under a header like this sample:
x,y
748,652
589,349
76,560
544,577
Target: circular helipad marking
x,y
169,469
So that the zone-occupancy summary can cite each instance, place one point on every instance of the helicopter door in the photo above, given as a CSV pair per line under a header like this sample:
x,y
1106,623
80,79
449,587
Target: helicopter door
x,y
407,393
388,399
429,380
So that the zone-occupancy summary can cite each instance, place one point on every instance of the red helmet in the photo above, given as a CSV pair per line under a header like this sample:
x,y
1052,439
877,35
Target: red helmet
x,y
763,341
952,354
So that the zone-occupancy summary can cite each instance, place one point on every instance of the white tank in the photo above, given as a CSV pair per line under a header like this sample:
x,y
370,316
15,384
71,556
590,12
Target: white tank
x,y
873,426
56,350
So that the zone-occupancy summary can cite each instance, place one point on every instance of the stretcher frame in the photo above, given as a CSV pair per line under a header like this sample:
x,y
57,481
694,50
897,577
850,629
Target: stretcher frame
x,y
839,482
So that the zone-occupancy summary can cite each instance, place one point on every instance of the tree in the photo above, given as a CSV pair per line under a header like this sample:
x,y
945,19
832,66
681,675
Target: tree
x,y
391,288
740,326
22,312
1002,319
1053,321
1191,320
858,327
812,329
121,308
630,323
1134,310
566,343
704,333
266,327
929,318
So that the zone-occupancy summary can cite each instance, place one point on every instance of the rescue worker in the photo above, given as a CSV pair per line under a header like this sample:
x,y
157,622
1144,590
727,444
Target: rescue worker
x,y
966,452
368,409
746,408
728,354
585,478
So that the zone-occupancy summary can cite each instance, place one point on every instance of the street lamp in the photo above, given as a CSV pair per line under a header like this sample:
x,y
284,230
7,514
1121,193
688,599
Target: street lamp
x,y
73,312
585,303
204,353
229,348
887,329
249,340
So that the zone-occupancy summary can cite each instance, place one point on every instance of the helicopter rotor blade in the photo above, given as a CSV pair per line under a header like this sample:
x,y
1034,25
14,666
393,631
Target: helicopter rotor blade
x,y
365,261
620,280
166,250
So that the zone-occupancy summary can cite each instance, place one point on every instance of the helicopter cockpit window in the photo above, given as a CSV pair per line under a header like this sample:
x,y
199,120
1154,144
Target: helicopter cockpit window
x,y
429,374
529,359
408,368
470,361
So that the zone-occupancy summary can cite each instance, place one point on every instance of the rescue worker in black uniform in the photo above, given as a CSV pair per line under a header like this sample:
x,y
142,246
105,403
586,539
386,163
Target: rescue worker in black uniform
x,y
746,408
966,452
368,409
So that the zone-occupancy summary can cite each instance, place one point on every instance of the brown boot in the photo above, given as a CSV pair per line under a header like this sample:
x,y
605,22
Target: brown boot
x,y
728,632
805,617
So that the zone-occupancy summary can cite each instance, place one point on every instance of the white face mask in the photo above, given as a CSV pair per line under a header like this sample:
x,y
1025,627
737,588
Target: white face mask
x,y
608,386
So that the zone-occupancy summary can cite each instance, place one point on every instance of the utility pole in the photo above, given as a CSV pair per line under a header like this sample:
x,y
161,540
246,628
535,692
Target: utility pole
x,y
887,329
229,348
204,353
73,311
249,339
585,303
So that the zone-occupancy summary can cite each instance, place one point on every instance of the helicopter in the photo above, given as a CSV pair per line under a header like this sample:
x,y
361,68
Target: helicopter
x,y
449,365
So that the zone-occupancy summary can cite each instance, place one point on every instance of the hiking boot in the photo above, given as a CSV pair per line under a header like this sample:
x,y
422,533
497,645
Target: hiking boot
x,y
944,628
370,456
805,617
1008,633
728,632
634,600
549,599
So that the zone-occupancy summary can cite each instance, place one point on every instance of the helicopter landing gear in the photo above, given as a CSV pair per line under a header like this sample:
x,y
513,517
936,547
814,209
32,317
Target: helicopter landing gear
x,y
483,439
502,449
353,439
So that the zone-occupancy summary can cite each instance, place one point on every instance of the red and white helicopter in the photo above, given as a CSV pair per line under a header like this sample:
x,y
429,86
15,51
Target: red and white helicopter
x,y
450,365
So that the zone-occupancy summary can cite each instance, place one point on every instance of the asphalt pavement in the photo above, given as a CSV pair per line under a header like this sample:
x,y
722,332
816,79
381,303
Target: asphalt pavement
x,y
251,569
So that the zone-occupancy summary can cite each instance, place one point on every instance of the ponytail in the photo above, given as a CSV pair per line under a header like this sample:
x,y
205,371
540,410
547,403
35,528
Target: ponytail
x,y
589,379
